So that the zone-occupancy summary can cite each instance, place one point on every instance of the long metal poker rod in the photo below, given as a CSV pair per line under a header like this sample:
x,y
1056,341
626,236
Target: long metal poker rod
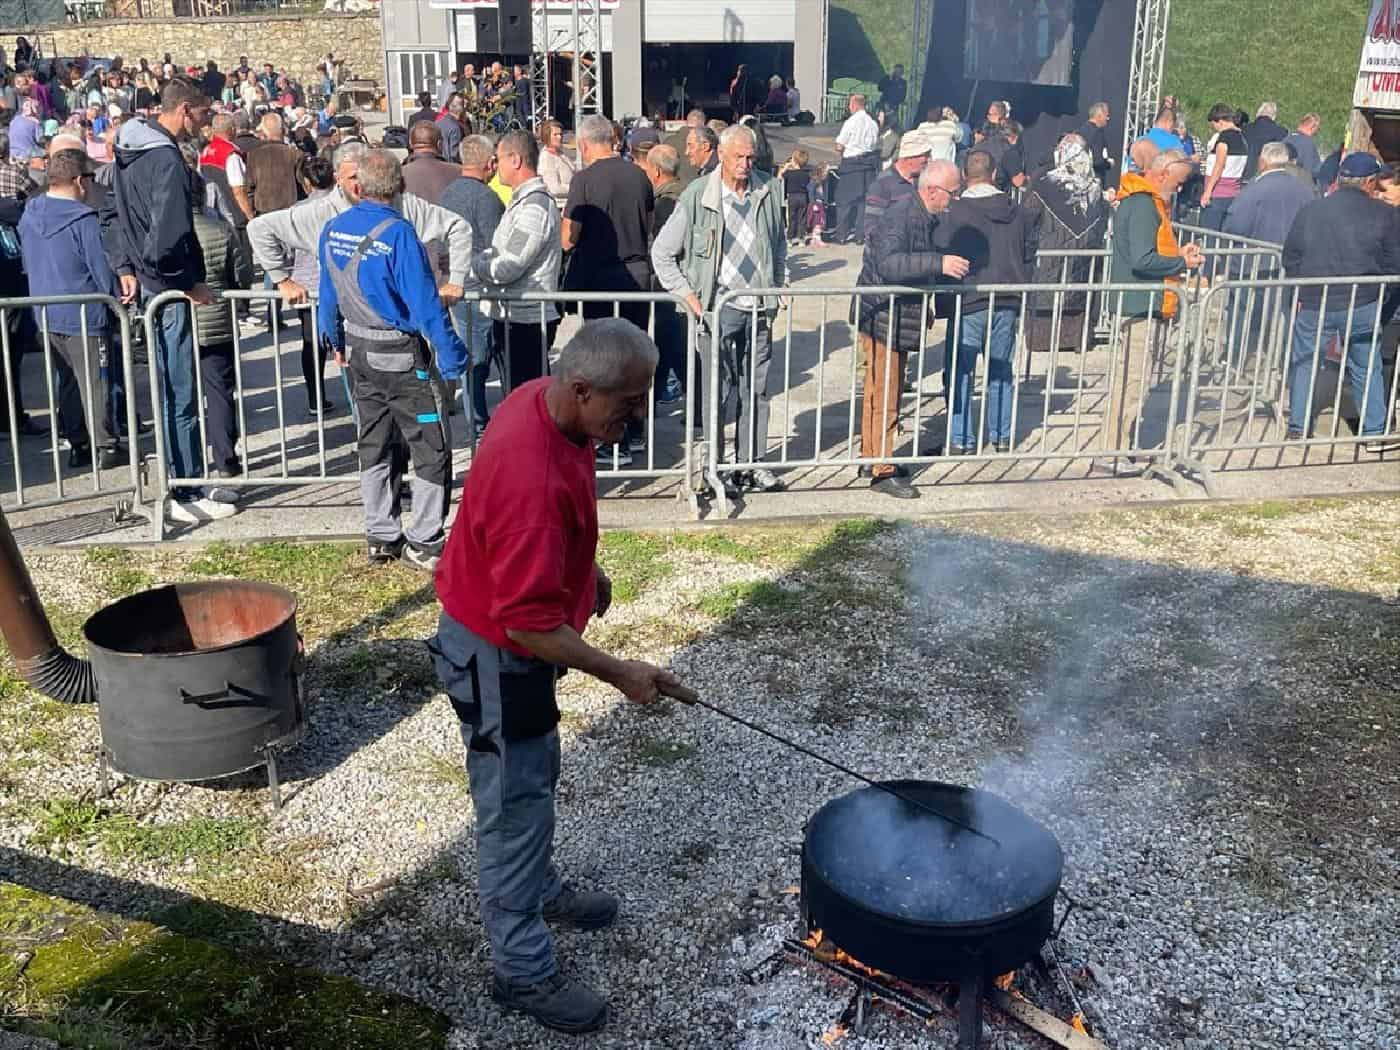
x,y
690,696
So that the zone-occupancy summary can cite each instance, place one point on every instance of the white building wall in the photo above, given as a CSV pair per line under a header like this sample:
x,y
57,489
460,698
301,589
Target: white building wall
x,y
722,21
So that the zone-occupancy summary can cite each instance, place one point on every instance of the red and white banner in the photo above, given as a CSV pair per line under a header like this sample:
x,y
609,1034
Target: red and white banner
x,y
1380,53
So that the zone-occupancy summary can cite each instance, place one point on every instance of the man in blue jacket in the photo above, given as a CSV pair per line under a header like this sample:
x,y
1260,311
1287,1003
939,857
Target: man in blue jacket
x,y
379,302
62,243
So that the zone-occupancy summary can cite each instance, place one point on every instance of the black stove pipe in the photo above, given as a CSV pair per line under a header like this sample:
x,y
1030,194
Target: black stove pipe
x,y
42,662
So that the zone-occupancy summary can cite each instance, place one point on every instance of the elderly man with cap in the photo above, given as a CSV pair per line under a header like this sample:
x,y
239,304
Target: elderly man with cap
x,y
1348,234
518,584
898,181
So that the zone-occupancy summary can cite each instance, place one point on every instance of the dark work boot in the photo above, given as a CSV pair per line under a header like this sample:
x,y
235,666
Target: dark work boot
x,y
565,1006
583,911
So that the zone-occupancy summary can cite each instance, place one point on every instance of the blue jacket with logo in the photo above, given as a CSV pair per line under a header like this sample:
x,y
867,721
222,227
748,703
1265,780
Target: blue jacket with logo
x,y
396,280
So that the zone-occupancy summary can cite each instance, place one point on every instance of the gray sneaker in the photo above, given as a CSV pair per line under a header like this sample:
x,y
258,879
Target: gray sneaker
x,y
565,1006
420,557
583,911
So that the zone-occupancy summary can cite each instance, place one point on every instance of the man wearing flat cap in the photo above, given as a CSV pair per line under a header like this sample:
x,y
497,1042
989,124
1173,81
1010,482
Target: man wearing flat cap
x,y
896,183
1351,233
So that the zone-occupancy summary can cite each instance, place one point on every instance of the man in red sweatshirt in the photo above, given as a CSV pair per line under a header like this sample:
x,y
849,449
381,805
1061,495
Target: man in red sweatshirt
x,y
518,582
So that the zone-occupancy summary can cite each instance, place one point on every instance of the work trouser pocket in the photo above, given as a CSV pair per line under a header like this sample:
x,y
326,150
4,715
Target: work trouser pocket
x,y
528,705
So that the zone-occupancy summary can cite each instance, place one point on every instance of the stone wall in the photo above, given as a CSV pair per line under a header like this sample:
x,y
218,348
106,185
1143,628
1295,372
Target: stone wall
x,y
292,43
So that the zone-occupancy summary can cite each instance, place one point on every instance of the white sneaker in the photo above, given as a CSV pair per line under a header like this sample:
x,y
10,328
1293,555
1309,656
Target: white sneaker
x,y
198,511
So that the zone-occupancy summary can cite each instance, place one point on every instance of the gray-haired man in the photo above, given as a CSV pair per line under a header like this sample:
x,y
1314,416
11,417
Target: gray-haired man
x,y
728,234
519,582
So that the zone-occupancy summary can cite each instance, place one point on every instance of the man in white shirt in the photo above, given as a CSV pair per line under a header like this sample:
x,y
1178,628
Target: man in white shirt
x,y
860,164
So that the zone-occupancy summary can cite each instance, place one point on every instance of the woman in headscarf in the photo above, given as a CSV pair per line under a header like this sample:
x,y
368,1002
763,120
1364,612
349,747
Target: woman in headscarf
x,y
1067,211
25,130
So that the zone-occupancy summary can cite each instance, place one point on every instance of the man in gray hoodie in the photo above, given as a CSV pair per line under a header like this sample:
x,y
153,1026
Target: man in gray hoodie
x,y
277,236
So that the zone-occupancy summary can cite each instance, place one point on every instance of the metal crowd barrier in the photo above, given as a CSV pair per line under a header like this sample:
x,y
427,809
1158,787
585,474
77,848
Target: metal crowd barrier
x,y
270,457
1099,416
81,384
1261,356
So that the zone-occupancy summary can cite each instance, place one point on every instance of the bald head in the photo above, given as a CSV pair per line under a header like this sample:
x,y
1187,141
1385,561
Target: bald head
x,y
424,137
270,128
1143,152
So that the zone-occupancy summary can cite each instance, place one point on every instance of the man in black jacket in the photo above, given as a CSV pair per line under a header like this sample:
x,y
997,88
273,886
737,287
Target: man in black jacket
x,y
156,251
990,230
1349,234
1093,132
900,250
1259,133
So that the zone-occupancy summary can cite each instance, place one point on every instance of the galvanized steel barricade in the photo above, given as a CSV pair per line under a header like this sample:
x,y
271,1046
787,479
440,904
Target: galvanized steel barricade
x,y
103,370
1036,415
1310,347
326,453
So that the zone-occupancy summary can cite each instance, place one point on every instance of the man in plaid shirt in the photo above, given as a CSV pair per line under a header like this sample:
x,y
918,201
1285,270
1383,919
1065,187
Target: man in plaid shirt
x,y
14,175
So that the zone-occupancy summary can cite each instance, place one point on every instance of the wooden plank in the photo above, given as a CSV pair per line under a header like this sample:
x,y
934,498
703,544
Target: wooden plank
x,y
1046,1024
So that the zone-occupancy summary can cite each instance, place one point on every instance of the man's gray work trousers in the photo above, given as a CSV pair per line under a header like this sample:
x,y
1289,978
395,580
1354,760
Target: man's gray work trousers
x,y
390,404
510,726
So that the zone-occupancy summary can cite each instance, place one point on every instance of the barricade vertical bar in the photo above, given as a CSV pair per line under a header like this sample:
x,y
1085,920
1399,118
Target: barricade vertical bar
x,y
54,418
238,385
989,326
199,390
158,421
952,342
12,382
785,309
920,356
821,373
87,402
275,318
716,428
1020,344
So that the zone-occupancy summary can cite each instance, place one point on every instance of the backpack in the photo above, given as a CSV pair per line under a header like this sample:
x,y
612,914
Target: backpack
x,y
395,137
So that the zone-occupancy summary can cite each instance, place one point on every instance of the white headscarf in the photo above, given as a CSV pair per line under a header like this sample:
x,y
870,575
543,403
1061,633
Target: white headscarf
x,y
1074,173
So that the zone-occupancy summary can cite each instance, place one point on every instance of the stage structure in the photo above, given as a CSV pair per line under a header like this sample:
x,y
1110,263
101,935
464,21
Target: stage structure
x,y
923,26
577,32
1145,73
1051,59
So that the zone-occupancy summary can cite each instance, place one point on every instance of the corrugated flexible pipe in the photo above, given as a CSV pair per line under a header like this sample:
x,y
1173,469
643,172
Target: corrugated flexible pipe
x,y
42,662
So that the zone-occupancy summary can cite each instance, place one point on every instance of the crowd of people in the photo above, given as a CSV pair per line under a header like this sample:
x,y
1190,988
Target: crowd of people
x,y
209,177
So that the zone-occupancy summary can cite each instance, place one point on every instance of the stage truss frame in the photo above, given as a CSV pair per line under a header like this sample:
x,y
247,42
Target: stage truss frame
x,y
579,32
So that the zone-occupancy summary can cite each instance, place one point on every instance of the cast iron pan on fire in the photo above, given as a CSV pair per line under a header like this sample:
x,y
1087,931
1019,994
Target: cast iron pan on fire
x,y
926,881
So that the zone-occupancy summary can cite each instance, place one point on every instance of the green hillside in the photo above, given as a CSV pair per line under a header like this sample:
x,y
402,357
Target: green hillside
x,y
1301,53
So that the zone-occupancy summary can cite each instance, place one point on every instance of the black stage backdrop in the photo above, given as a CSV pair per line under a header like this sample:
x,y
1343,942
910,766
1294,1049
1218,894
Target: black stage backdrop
x,y
1103,44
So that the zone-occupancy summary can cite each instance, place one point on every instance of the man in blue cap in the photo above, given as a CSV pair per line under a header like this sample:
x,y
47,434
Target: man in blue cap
x,y
380,303
1350,233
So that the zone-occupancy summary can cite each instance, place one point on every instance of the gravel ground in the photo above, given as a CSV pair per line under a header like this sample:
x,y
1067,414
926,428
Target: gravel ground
x,y
1201,704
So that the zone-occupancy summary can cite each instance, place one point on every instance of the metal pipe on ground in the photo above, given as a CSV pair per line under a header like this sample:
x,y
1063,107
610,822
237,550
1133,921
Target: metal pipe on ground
x,y
41,661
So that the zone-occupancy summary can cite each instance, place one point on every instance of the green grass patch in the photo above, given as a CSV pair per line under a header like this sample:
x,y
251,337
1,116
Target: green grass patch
x,y
89,970
659,753
1299,53
118,570
199,838
448,772
754,596
63,821
634,561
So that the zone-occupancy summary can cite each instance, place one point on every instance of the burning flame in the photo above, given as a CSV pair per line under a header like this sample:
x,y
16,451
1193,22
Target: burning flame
x,y
1077,1023
1004,981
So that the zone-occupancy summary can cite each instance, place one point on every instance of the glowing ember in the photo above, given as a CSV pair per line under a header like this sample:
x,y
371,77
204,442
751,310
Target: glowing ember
x,y
1004,981
1077,1023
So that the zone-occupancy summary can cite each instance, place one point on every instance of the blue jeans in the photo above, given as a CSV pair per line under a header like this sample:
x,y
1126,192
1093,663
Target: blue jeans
x,y
972,338
175,365
475,329
1360,357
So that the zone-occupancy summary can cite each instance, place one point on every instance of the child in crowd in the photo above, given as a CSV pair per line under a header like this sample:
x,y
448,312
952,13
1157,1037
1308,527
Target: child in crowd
x,y
795,175
816,205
